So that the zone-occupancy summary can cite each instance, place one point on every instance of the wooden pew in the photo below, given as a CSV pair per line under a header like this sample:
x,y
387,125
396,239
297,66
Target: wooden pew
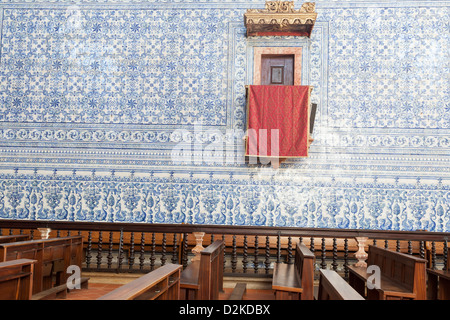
x,y
439,283
333,287
403,276
14,238
295,281
16,279
203,279
53,257
162,283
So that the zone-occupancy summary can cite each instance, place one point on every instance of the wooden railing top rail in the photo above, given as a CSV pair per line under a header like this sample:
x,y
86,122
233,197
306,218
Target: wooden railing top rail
x,y
227,229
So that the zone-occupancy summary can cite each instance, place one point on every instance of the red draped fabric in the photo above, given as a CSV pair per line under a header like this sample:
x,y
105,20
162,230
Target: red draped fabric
x,y
278,121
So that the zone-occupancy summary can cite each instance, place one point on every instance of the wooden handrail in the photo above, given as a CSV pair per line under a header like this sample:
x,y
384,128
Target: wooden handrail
x,y
228,229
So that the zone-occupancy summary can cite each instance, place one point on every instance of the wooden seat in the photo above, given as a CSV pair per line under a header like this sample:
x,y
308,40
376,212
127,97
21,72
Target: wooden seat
x,y
203,279
402,276
16,279
295,281
162,283
333,287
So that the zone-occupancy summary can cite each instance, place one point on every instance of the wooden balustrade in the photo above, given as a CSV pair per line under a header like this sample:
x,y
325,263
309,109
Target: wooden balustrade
x,y
250,250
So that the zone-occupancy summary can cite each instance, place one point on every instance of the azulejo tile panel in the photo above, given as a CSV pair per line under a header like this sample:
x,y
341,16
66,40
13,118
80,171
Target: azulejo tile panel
x,y
95,96
214,199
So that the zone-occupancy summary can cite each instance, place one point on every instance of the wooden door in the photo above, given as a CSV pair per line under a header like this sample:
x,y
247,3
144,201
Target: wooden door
x,y
277,69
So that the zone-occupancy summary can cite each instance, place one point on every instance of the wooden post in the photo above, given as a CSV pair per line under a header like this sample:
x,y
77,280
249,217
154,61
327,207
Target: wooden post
x,y
361,254
199,245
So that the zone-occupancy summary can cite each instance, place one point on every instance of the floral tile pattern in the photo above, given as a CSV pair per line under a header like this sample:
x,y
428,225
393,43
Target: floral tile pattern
x,y
95,96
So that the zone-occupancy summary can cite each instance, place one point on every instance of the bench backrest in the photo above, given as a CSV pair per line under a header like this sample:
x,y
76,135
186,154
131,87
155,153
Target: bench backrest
x,y
304,262
162,283
211,271
14,238
406,269
51,255
333,287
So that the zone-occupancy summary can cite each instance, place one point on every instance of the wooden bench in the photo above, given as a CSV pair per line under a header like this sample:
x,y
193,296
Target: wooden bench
x,y
439,283
16,279
203,279
53,257
162,283
14,238
333,287
403,276
238,291
295,281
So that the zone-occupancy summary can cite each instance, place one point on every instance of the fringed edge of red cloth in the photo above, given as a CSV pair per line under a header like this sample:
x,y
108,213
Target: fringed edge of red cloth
x,y
278,113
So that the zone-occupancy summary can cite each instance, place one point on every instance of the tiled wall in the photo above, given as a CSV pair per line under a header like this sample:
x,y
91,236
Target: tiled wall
x,y
96,96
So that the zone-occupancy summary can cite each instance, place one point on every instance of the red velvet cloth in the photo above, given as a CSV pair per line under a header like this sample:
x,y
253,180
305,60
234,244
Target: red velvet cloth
x,y
285,108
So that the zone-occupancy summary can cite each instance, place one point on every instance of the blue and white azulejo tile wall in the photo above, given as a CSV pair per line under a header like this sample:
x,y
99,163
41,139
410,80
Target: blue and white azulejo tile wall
x,y
133,111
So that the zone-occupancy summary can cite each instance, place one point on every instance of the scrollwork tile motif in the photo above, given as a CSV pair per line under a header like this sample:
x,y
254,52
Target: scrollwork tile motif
x,y
371,204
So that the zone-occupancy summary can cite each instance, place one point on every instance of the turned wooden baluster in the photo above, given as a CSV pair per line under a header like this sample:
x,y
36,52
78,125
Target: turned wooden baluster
x,y
142,254
245,255
267,260
433,255
446,261
88,250
153,252
323,263
422,249
410,247
334,264
311,245
131,257
185,250
256,262
397,248
313,250
386,244
346,259
233,255
99,250
120,250
110,250
163,248
289,251
278,248
224,253
175,249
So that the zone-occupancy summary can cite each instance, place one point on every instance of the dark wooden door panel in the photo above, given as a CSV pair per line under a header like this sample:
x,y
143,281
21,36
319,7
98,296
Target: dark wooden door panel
x,y
277,70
